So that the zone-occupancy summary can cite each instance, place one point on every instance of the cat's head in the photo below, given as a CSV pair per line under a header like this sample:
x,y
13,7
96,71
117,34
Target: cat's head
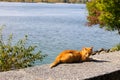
x,y
87,51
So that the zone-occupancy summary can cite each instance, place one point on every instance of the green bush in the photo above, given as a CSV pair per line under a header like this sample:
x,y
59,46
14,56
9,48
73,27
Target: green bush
x,y
18,55
105,13
116,47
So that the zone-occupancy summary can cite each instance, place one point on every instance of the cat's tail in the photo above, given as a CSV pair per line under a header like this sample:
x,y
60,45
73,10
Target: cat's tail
x,y
55,63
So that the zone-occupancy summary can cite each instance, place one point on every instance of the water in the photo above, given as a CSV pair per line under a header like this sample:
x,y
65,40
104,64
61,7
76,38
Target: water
x,y
54,27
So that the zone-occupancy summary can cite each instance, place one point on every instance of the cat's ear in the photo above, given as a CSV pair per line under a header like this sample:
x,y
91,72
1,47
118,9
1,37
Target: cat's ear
x,y
85,48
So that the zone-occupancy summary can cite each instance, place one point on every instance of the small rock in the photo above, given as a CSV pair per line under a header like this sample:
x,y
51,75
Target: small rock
x,y
102,52
102,49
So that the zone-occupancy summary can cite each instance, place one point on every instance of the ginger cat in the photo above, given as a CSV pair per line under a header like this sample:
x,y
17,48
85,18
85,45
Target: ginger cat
x,y
69,56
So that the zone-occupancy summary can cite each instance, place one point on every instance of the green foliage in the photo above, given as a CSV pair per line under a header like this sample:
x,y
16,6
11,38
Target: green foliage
x,y
17,56
104,12
116,47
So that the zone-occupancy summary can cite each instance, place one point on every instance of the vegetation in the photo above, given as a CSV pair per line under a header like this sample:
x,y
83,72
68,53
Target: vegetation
x,y
116,48
104,12
50,1
17,56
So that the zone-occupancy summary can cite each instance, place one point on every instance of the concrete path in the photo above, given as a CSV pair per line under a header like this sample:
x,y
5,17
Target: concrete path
x,y
102,64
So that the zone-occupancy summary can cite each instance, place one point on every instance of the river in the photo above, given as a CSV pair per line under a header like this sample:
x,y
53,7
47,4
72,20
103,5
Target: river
x,y
53,27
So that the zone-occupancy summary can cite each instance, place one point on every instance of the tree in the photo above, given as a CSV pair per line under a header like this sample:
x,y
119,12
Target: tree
x,y
104,12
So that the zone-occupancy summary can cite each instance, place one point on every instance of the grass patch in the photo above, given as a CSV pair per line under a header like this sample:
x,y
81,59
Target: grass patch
x,y
116,47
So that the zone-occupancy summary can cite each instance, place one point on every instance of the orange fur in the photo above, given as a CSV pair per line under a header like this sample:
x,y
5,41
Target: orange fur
x,y
69,56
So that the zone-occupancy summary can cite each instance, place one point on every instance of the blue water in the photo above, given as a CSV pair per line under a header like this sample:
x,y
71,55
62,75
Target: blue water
x,y
54,27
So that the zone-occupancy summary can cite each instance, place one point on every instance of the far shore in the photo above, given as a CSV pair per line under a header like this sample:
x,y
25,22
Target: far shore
x,y
47,1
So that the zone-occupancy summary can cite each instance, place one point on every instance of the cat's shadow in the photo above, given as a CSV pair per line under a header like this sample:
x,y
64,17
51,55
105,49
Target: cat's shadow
x,y
95,60
89,60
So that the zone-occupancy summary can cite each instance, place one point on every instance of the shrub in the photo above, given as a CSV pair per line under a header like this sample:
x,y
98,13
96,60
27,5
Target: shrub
x,y
18,55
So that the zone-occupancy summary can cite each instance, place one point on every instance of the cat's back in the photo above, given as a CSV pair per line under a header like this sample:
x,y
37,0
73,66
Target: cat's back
x,y
71,52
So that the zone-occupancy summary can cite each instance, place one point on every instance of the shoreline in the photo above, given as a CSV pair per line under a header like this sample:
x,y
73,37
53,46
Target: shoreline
x,y
47,1
102,64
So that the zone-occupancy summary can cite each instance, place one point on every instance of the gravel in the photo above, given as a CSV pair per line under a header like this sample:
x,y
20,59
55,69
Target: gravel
x,y
101,64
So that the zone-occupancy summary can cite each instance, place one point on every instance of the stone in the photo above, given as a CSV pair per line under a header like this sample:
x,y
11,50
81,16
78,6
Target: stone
x,y
100,67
